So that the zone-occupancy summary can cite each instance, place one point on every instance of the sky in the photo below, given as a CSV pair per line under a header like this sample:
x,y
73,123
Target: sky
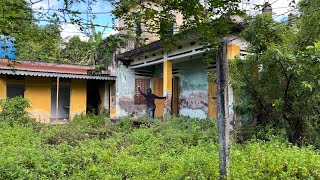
x,y
103,16
101,9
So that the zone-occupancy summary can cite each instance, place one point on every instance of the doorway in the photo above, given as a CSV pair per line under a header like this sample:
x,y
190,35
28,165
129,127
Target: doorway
x,y
63,103
157,87
93,97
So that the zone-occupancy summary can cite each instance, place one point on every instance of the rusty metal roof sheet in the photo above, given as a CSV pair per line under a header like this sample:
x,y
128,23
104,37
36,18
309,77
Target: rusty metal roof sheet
x,y
50,74
44,69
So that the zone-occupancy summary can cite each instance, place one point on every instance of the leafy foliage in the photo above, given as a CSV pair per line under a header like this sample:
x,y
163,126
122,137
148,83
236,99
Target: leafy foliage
x,y
179,148
14,112
36,42
279,81
208,19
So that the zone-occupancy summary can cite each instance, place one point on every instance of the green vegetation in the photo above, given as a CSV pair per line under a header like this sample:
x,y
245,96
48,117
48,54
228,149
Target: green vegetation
x,y
278,82
43,42
13,112
91,147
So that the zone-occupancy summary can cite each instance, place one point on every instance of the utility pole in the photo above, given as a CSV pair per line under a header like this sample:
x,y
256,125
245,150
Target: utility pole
x,y
223,110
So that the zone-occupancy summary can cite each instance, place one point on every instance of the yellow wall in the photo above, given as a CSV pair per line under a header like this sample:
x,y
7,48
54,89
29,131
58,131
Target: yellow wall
x,y
38,92
3,87
78,99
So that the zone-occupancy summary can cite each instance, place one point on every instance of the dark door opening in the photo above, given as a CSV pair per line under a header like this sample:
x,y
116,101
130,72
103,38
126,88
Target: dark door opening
x,y
93,97
63,104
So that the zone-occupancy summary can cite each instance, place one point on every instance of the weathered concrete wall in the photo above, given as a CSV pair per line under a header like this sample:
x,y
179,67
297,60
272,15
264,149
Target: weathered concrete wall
x,y
193,88
125,91
105,96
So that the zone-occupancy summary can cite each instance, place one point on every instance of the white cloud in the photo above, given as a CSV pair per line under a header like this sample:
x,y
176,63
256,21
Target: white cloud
x,y
70,30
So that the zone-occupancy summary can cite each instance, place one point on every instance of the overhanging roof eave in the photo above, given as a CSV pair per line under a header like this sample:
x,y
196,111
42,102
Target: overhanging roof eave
x,y
49,74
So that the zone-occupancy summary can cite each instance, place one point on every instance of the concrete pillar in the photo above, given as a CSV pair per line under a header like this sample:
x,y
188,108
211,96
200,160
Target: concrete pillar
x,y
167,86
232,51
113,105
107,97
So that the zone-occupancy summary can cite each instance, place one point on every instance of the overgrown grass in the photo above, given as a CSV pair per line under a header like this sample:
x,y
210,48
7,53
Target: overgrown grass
x,y
91,147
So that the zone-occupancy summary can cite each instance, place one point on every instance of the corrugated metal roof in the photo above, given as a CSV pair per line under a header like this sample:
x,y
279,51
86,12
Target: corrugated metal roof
x,y
50,74
44,67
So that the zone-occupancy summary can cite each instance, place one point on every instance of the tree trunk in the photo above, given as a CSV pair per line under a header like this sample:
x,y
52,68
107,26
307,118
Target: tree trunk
x,y
223,115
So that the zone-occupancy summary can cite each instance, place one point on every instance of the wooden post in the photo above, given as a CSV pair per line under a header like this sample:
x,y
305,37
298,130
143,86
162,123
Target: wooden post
x,y
57,100
167,85
223,119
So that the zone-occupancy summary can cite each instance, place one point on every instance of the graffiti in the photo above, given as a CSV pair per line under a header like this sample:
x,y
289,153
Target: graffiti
x,y
194,101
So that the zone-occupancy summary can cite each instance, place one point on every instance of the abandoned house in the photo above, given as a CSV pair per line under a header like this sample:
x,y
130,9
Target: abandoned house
x,y
179,73
56,92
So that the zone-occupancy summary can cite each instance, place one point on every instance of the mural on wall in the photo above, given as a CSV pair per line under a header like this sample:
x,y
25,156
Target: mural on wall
x,y
193,89
194,101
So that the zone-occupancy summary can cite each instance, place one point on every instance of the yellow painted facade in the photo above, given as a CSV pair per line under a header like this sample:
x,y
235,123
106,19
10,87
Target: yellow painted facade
x,y
38,92
78,99
3,86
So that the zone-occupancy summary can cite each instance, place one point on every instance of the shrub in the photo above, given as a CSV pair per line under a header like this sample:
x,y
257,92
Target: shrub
x,y
178,148
89,121
14,112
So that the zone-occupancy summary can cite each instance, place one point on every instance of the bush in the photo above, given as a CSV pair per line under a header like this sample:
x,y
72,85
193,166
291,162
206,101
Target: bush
x,y
178,148
89,121
80,128
14,112
274,160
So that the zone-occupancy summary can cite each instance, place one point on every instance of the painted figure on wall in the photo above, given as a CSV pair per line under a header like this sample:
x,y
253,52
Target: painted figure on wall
x,y
151,106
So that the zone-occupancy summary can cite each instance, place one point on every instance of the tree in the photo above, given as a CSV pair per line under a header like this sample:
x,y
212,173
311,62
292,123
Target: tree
x,y
33,42
76,51
279,81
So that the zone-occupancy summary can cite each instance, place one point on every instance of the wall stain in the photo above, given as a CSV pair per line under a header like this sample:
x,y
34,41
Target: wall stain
x,y
194,101
127,104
